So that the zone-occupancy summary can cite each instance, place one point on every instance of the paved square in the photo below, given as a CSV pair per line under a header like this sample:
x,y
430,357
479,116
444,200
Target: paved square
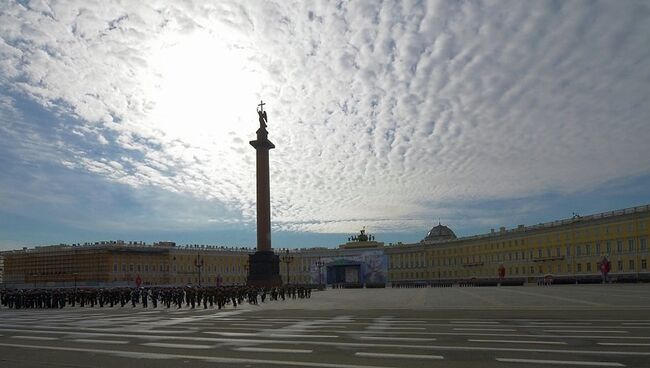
x,y
586,325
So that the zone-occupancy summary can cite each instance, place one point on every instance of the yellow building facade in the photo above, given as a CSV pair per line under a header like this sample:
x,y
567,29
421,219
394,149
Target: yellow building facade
x,y
571,248
567,250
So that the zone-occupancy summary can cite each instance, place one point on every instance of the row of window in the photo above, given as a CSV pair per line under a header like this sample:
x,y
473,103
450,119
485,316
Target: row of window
x,y
165,268
524,270
580,250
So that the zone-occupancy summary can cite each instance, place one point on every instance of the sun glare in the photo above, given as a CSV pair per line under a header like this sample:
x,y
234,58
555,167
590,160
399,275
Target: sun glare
x,y
205,88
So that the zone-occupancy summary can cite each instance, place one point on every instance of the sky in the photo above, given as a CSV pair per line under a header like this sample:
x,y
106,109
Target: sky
x,y
131,120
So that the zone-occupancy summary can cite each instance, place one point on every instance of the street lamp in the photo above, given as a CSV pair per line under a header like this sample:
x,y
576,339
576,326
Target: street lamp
x,y
245,266
286,258
198,263
74,275
320,265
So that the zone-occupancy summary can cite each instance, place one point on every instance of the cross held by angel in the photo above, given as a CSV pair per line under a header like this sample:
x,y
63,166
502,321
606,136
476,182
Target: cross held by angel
x,y
262,114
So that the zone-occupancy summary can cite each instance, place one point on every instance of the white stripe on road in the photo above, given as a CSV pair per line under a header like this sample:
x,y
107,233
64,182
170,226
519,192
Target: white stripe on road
x,y
252,325
209,359
272,350
34,337
378,345
560,362
400,356
520,342
91,341
486,329
176,346
306,336
623,344
381,327
476,322
390,338
560,323
232,334
588,331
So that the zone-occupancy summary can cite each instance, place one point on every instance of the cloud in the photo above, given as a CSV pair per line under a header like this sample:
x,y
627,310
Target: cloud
x,y
383,113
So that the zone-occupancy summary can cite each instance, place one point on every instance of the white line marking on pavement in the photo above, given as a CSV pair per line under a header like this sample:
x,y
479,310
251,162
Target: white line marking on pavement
x,y
560,323
520,341
209,359
381,327
299,335
34,337
476,322
623,344
176,346
232,334
91,341
486,329
378,345
400,356
562,362
252,325
589,331
272,350
391,338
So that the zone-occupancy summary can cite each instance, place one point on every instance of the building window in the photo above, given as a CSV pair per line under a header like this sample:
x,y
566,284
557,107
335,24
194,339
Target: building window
x,y
568,251
620,265
644,264
578,250
597,248
631,264
588,249
123,267
559,268
609,247
532,270
579,267
115,267
630,245
539,253
644,244
619,246
131,267
557,251
588,266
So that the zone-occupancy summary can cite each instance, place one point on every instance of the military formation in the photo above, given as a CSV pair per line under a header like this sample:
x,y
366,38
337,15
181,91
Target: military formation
x,y
146,297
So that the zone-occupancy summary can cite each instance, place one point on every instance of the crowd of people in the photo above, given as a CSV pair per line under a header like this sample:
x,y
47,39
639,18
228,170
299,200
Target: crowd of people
x,y
165,297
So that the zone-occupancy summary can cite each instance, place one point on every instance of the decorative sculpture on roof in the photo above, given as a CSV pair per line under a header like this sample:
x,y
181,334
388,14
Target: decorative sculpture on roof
x,y
362,237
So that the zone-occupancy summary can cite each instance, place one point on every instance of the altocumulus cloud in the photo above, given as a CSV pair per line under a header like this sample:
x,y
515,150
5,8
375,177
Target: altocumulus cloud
x,y
385,114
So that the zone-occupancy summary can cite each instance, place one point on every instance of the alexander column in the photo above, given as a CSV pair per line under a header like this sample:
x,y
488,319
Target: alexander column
x,y
264,264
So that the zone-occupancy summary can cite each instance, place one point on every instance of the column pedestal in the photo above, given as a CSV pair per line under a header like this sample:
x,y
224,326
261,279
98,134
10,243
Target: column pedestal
x,y
264,269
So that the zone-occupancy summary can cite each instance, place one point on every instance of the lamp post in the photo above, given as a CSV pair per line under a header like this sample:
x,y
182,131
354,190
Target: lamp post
x,y
74,275
198,263
246,267
320,265
286,258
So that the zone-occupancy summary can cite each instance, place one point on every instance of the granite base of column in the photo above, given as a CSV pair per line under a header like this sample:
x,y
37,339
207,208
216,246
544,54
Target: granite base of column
x,y
264,269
